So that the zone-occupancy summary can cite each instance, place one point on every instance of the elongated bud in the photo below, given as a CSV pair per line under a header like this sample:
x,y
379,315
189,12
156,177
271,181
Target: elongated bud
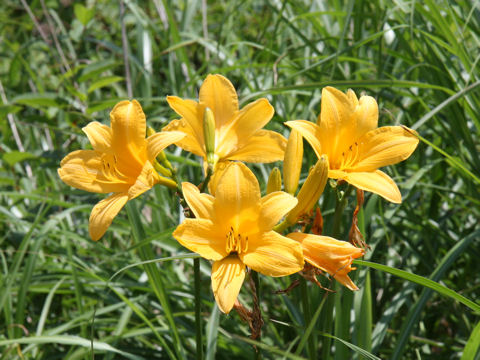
x,y
150,131
292,163
209,135
274,181
161,169
162,165
311,190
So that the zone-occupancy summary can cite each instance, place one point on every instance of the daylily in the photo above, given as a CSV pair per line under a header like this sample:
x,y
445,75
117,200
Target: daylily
x,y
120,162
234,229
330,255
238,134
346,131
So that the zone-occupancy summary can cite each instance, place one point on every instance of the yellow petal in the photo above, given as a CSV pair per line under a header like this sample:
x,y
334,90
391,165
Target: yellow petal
x,y
201,236
292,164
189,142
273,254
365,116
191,113
99,135
264,146
377,182
103,214
384,146
159,141
335,121
217,175
237,197
248,121
330,255
227,279
352,97
128,124
84,170
311,190
310,131
145,181
200,204
218,93
273,207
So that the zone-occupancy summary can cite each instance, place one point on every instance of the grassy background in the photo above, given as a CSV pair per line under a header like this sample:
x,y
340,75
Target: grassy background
x,y
63,65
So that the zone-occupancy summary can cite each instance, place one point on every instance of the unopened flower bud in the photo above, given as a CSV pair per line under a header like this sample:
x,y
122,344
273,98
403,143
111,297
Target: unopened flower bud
x,y
311,190
209,135
292,163
274,181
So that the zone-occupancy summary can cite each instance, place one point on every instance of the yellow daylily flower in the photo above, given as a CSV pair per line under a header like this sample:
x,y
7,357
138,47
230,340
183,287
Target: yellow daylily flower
x,y
346,131
238,133
330,255
234,229
120,162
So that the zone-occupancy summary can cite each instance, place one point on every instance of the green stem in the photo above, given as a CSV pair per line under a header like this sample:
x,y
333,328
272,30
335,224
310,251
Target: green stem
x,y
198,299
308,317
256,307
154,277
341,202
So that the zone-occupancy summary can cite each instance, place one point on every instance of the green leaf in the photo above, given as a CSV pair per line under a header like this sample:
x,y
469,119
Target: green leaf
x,y
104,82
92,70
83,14
8,109
15,156
473,344
68,340
37,100
443,290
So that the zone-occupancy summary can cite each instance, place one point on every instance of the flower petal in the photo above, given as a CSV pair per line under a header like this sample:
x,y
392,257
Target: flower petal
x,y
200,204
147,178
191,112
84,170
227,279
103,213
273,254
216,176
190,142
99,135
377,182
335,121
273,207
128,124
263,147
384,146
218,93
159,141
201,236
330,255
310,131
365,116
238,131
237,198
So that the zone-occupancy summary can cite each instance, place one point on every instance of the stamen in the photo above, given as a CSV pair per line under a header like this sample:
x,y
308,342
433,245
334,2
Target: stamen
x,y
235,243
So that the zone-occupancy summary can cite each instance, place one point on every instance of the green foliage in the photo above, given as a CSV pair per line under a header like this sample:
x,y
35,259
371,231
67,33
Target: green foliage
x,y
62,65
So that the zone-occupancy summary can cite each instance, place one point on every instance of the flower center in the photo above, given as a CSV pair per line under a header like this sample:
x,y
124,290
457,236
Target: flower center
x,y
349,157
110,168
236,243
